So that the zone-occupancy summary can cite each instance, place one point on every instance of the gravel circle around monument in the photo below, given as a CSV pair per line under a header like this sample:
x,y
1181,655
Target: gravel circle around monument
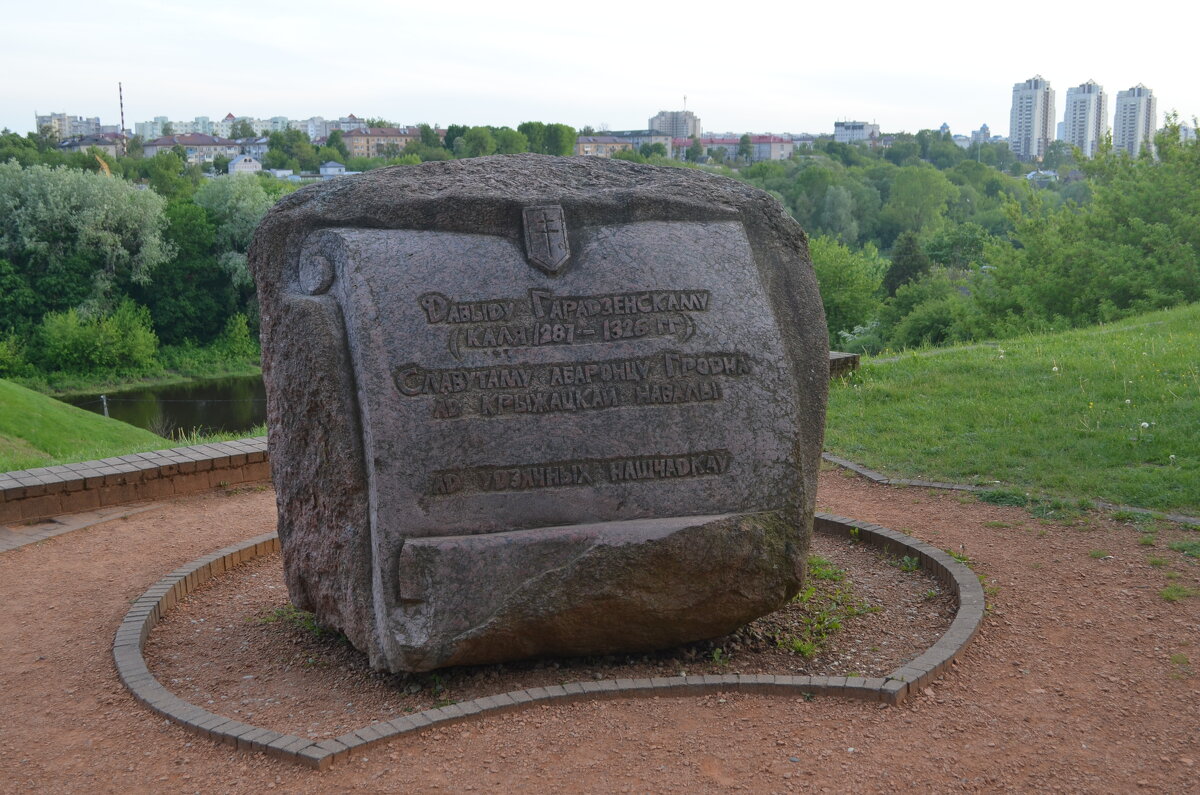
x,y
1083,678
237,648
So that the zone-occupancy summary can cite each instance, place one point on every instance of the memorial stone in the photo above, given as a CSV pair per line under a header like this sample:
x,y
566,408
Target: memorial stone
x,y
525,405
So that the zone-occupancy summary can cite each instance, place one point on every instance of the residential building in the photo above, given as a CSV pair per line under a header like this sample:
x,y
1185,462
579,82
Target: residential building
x,y
63,126
602,145
847,132
112,144
1134,123
197,147
149,130
1085,122
332,168
379,141
255,147
641,137
677,124
244,164
762,147
1031,122
981,136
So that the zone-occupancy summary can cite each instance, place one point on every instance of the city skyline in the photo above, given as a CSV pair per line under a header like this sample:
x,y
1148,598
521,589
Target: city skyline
x,y
483,66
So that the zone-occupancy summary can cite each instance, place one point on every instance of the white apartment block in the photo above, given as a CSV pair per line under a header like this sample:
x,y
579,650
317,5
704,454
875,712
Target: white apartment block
x,y
677,124
63,126
1085,122
1031,123
847,132
1133,125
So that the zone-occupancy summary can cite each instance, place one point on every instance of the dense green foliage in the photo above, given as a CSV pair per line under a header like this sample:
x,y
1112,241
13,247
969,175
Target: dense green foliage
x,y
1105,412
974,253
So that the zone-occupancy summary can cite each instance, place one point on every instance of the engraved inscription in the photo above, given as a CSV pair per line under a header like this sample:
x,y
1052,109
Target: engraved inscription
x,y
543,318
586,472
670,377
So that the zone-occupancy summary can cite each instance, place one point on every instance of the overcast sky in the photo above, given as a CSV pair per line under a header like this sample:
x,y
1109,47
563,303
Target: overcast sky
x,y
767,67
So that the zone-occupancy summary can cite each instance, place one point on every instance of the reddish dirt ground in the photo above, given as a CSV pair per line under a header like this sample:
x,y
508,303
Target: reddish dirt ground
x,y
1083,678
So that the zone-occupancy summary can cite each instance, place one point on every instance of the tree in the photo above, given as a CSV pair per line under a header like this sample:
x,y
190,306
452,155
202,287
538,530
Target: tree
x,y
378,121
745,147
653,150
837,215
191,296
849,282
76,236
242,128
1059,154
235,203
168,128
535,133
477,142
918,197
429,135
587,129
904,150
335,141
453,133
510,141
695,152
908,262
560,140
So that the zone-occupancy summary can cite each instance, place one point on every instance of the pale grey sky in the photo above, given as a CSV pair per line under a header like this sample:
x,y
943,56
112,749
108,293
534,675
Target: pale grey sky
x,y
767,68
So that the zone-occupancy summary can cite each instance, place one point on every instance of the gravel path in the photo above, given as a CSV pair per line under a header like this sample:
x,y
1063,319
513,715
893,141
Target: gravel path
x,y
1083,678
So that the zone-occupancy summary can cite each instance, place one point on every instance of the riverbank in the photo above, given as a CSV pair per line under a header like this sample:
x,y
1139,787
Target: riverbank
x,y
65,385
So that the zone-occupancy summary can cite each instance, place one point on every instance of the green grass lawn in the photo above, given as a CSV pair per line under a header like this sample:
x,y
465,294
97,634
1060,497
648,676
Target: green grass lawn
x,y
1109,412
38,431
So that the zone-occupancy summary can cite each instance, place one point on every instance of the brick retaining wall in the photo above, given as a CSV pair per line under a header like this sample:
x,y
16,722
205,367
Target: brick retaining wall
x,y
31,494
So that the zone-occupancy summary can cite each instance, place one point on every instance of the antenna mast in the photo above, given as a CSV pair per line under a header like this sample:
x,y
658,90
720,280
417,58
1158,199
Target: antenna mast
x,y
121,98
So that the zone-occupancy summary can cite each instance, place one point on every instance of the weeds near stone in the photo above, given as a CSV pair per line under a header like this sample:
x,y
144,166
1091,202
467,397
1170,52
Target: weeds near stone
x,y
1189,548
1099,554
824,609
1176,592
301,620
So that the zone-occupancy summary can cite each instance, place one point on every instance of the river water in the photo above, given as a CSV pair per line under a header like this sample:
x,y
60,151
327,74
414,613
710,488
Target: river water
x,y
213,405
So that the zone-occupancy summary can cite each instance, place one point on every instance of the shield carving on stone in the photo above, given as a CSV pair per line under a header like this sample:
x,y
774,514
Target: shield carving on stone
x,y
546,237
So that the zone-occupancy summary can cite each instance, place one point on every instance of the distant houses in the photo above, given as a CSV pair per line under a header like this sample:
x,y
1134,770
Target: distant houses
x,y
197,147
244,164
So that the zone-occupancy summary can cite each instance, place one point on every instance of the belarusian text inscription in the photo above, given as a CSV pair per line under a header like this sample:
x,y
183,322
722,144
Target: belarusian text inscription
x,y
544,318
662,379
588,472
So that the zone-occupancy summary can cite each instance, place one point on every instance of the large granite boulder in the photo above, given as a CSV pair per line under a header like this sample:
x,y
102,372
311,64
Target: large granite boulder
x,y
525,405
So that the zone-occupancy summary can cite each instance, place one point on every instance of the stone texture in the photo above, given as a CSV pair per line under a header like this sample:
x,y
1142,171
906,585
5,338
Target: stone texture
x,y
478,457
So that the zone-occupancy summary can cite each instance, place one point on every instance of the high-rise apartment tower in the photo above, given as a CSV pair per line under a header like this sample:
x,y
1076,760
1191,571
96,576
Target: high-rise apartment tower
x,y
677,123
1085,122
1133,125
1031,124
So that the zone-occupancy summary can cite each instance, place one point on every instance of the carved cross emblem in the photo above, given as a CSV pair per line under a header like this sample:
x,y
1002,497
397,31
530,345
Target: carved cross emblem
x,y
546,237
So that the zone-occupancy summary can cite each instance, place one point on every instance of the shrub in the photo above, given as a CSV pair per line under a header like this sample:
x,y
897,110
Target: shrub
x,y
122,342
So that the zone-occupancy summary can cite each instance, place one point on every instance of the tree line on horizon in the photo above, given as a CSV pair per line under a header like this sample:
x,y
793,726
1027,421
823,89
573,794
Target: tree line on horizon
x,y
921,244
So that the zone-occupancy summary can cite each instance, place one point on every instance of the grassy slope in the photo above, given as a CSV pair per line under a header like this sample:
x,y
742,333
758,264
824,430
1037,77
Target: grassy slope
x,y
1005,414
39,431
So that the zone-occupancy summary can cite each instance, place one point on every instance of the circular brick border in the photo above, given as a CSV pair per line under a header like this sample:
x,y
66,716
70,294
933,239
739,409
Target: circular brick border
x,y
891,689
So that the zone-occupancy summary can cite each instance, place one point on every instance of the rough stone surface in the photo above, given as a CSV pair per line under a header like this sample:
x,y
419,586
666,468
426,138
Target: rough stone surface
x,y
491,441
